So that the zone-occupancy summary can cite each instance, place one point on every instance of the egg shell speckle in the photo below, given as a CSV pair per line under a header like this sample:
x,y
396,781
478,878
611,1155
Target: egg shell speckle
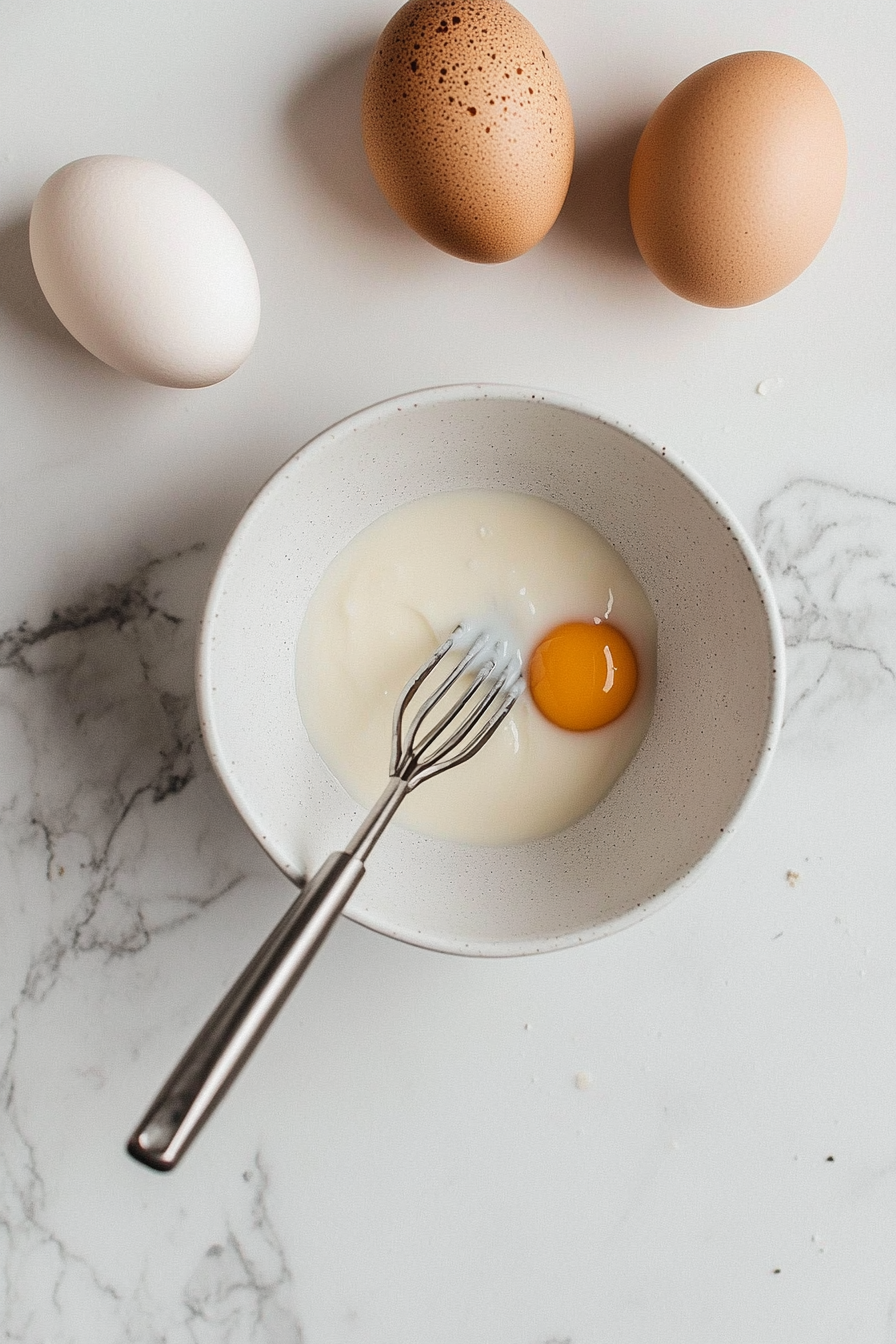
x,y
738,178
468,127
145,269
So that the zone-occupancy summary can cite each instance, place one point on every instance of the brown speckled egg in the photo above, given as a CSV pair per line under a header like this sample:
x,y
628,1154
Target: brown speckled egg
x,y
467,126
738,178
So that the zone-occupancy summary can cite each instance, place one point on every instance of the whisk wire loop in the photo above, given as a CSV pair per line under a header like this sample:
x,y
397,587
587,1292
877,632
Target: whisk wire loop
x,y
421,751
509,692
407,695
407,755
457,708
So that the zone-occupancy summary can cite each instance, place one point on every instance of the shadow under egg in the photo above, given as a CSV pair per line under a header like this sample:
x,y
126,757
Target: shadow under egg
x,y
322,122
20,294
595,215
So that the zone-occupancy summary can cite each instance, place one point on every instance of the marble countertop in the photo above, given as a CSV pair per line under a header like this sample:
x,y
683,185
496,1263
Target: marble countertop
x,y
682,1134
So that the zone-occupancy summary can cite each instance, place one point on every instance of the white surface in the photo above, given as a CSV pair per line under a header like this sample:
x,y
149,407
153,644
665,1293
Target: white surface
x,y
718,700
404,1160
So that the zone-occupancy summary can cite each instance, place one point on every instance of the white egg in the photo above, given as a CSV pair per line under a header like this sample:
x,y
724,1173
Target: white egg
x,y
516,565
146,270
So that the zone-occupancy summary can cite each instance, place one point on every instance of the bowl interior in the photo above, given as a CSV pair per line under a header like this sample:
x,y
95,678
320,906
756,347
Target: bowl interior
x,y
719,668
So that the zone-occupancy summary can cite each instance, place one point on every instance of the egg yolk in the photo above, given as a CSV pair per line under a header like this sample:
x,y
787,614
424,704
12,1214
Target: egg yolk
x,y
583,676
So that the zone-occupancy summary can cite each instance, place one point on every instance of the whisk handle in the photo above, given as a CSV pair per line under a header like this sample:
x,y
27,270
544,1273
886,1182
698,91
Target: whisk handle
x,y
238,1023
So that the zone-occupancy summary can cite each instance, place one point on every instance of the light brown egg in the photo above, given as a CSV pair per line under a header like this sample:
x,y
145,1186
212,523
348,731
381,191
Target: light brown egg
x,y
467,126
738,178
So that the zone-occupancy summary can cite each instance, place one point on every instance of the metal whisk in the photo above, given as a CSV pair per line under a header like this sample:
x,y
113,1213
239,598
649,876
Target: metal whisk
x,y
446,730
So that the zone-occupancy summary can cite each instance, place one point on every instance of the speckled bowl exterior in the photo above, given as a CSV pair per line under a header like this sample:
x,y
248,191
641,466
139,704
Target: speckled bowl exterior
x,y
720,674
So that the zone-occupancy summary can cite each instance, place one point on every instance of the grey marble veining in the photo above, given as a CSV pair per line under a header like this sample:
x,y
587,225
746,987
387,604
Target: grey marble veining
x,y
242,1288
99,702
114,833
831,555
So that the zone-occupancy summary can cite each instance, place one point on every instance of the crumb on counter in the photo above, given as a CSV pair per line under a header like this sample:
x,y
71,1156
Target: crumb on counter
x,y
792,877
583,1081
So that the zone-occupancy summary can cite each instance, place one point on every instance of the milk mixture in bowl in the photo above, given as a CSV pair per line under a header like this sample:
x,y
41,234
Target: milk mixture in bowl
x,y
517,566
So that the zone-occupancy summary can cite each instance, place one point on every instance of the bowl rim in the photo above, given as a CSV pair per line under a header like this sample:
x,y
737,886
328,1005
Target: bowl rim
x,y
459,392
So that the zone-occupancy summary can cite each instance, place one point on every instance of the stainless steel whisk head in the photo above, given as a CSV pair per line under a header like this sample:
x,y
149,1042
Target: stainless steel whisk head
x,y
424,748
453,723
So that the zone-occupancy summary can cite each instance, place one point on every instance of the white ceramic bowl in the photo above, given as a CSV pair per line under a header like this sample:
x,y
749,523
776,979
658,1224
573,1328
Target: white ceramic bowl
x,y
720,655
